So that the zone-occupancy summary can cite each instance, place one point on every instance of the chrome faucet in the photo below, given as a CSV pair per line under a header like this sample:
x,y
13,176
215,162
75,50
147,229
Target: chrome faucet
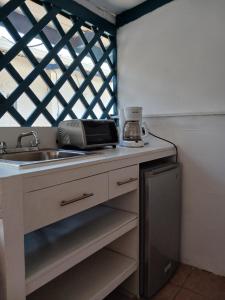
x,y
34,143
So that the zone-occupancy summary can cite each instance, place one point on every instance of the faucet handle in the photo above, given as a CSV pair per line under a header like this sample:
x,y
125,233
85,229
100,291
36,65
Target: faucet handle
x,y
36,141
3,147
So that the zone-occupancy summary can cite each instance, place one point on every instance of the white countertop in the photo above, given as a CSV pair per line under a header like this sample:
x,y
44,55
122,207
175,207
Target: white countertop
x,y
102,156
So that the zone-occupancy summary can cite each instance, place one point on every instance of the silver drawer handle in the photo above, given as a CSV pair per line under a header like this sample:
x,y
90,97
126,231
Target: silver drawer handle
x,y
126,181
84,196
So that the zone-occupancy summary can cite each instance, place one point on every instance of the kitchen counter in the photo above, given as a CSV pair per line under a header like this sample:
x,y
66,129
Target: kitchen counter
x,y
154,150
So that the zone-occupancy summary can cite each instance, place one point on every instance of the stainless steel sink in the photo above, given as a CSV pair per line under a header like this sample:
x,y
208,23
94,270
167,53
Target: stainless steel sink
x,y
34,157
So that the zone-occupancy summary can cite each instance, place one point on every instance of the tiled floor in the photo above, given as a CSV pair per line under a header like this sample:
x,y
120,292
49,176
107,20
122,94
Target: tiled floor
x,y
189,284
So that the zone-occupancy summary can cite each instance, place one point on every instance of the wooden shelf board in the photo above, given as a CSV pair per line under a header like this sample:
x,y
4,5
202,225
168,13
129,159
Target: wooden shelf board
x,y
58,247
92,279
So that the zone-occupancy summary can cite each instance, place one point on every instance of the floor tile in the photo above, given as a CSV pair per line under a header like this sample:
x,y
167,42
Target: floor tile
x,y
206,284
181,274
188,295
188,283
167,293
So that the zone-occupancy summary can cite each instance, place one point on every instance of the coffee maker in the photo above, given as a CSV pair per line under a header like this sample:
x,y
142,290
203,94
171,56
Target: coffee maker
x,y
132,133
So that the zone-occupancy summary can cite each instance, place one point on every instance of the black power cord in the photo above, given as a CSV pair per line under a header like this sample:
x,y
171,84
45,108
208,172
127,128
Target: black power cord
x,y
160,138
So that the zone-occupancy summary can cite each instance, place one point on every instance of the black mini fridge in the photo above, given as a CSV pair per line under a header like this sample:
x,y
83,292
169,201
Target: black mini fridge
x,y
160,214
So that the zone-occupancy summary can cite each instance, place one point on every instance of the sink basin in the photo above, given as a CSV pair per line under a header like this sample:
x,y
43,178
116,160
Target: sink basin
x,y
29,158
40,155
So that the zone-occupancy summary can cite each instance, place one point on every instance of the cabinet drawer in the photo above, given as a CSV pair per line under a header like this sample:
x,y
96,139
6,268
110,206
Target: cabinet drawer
x,y
123,181
49,205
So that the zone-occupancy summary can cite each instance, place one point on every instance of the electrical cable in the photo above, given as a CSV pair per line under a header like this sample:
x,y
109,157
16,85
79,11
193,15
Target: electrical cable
x,y
160,138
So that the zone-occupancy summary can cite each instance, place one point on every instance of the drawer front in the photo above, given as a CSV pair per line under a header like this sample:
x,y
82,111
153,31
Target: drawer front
x,y
123,181
49,205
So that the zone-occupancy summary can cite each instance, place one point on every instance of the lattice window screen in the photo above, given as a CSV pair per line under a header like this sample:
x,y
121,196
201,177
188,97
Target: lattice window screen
x,y
53,66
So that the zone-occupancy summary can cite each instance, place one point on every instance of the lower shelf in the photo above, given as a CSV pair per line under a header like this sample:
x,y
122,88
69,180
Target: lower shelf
x,y
92,279
56,248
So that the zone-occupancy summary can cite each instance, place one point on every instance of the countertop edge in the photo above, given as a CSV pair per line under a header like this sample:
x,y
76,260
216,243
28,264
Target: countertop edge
x,y
105,156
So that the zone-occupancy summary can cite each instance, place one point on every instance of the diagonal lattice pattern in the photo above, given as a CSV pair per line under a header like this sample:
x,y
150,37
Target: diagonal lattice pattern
x,y
72,68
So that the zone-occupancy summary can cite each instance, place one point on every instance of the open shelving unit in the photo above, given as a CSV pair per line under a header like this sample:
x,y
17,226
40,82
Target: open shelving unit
x,y
57,248
92,279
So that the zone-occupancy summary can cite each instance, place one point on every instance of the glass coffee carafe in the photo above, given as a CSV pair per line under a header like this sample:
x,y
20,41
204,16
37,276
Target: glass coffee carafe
x,y
132,131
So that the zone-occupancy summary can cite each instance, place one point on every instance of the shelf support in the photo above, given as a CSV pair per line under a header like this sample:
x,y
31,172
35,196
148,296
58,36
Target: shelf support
x,y
12,261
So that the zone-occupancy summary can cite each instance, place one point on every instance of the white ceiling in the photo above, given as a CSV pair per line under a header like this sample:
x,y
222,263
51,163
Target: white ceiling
x,y
116,6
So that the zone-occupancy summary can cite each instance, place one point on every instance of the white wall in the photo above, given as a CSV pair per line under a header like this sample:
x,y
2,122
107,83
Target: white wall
x,y
201,143
172,62
175,57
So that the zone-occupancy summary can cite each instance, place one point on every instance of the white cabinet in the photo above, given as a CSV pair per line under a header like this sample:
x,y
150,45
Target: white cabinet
x,y
72,254
69,229
80,227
